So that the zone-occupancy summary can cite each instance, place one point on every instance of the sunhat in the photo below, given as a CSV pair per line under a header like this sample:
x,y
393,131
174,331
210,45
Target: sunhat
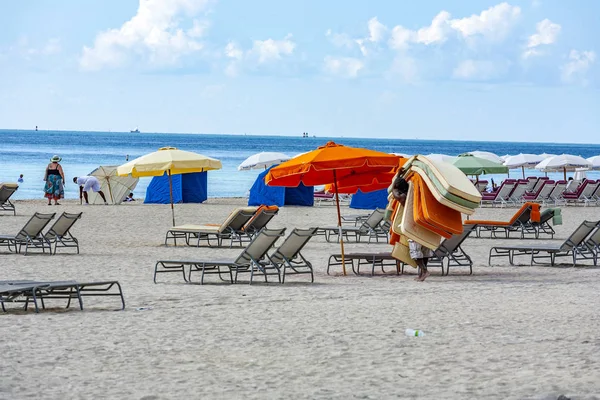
x,y
55,159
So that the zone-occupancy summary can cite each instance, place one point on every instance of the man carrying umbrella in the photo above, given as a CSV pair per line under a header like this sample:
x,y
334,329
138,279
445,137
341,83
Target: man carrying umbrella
x,y
418,252
87,183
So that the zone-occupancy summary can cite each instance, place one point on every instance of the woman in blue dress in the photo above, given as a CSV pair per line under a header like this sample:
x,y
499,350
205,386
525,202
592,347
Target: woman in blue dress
x,y
55,178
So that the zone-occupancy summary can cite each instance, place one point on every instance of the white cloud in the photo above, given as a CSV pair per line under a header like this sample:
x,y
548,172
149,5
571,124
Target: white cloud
x,y
579,63
347,67
377,30
153,32
479,70
233,51
401,38
546,33
272,50
262,52
340,39
493,24
435,33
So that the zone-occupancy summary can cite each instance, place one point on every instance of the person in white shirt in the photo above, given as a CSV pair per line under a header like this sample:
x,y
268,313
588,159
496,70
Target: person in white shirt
x,y
87,183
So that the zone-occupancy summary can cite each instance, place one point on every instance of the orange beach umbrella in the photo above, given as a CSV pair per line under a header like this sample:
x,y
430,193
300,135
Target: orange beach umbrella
x,y
331,164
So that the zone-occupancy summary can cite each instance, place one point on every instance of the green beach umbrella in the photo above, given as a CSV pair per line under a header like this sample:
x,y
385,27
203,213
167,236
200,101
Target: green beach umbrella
x,y
471,165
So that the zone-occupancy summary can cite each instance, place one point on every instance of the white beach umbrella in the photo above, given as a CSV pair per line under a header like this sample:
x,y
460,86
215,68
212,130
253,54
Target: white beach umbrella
x,y
523,161
115,187
595,162
547,155
441,157
263,160
564,162
487,155
504,157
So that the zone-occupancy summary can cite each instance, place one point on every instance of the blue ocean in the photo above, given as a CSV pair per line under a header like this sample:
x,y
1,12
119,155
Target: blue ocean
x,y
28,153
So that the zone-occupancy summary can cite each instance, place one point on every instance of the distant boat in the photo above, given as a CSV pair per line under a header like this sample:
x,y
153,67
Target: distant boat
x,y
136,130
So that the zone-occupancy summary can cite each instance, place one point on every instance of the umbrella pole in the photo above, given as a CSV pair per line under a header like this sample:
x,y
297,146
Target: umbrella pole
x,y
112,200
523,169
171,196
565,171
337,204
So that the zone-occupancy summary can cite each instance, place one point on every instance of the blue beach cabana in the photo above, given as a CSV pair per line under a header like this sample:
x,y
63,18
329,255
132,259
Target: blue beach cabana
x,y
261,194
369,201
187,188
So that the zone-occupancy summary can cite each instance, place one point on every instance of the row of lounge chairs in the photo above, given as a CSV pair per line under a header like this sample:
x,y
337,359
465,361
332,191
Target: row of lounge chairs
x,y
254,259
542,190
39,292
6,191
528,220
372,226
239,227
449,252
32,234
583,243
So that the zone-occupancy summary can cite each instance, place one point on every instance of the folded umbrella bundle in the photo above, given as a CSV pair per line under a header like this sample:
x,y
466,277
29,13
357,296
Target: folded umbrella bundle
x,y
438,194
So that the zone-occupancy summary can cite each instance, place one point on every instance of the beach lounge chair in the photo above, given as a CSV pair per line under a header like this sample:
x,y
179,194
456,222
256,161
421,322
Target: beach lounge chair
x,y
449,250
7,190
230,229
538,184
249,260
543,225
531,182
382,260
516,197
287,257
542,193
520,222
572,247
60,232
354,219
26,291
555,196
259,220
30,235
592,246
500,196
371,227
584,194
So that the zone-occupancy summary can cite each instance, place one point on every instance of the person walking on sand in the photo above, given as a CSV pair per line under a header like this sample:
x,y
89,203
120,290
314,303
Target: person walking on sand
x,y
87,183
55,178
418,252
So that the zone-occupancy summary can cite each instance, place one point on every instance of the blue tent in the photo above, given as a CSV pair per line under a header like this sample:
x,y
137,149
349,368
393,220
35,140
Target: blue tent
x,y
187,188
371,200
261,194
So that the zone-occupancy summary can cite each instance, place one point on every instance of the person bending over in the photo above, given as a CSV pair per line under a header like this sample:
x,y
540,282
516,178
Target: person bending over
x,y
418,252
87,183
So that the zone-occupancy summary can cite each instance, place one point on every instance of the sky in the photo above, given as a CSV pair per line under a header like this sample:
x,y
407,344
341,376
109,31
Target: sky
x,y
470,70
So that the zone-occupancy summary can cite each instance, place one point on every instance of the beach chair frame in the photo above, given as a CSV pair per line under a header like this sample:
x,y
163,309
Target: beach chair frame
x,y
258,221
372,228
30,235
5,193
288,258
573,247
59,233
34,291
248,261
381,260
214,238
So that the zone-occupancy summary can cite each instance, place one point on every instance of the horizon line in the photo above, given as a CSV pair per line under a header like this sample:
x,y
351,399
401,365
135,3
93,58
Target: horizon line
x,y
293,136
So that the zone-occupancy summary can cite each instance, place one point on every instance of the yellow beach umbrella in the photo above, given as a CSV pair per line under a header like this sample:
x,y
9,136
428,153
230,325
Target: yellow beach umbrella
x,y
168,160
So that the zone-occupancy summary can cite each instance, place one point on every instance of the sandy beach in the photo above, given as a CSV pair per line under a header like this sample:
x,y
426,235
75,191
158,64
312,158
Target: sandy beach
x,y
505,332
